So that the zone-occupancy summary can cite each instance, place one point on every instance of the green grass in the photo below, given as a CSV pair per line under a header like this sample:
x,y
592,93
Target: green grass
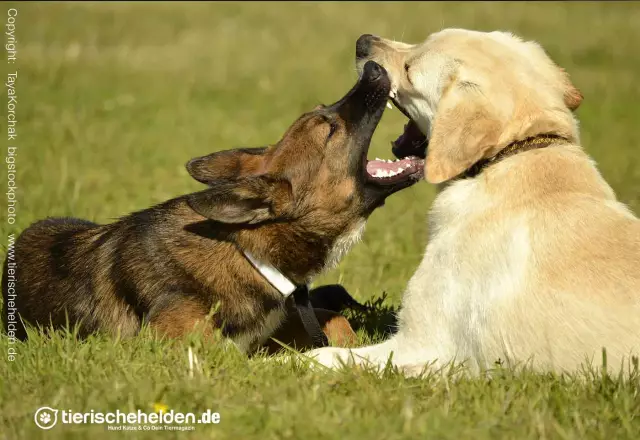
x,y
114,98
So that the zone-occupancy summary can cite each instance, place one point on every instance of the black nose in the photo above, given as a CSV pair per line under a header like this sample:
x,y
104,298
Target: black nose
x,y
363,45
372,71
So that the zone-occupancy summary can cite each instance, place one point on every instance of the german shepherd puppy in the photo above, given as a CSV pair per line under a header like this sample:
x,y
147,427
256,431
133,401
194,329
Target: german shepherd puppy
x,y
298,206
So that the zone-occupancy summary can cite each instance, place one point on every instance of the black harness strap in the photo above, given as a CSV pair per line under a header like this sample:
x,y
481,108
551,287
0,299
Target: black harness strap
x,y
303,305
308,316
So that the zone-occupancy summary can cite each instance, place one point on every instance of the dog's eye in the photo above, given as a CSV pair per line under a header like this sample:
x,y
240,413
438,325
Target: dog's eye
x,y
332,128
333,125
406,72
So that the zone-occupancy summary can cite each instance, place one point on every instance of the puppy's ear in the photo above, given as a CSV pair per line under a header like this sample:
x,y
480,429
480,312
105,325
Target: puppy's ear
x,y
464,131
229,164
249,200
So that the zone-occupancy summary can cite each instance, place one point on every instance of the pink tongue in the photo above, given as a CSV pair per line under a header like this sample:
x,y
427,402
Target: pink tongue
x,y
375,165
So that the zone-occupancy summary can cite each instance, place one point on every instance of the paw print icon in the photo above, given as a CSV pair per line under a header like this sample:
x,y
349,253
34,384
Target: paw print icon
x,y
46,418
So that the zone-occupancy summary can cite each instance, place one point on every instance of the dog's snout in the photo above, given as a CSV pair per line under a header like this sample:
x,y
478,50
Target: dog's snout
x,y
364,44
372,71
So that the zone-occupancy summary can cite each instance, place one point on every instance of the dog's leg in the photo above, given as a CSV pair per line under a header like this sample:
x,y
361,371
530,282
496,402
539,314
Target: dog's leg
x,y
293,333
176,319
334,297
334,357
400,354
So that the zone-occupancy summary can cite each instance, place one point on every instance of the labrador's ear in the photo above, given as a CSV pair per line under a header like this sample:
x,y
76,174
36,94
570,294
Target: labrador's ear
x,y
464,131
227,164
249,200
572,96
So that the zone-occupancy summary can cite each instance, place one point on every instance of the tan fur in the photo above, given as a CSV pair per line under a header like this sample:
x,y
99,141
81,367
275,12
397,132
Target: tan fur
x,y
533,259
181,318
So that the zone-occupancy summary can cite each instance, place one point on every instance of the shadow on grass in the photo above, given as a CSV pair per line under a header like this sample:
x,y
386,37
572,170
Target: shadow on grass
x,y
378,318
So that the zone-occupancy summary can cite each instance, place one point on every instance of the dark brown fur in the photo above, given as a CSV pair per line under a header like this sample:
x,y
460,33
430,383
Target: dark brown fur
x,y
175,263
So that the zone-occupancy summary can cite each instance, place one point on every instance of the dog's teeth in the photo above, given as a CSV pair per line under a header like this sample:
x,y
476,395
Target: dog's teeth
x,y
388,173
389,105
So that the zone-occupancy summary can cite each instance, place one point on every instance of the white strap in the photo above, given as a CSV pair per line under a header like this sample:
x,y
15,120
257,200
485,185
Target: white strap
x,y
273,275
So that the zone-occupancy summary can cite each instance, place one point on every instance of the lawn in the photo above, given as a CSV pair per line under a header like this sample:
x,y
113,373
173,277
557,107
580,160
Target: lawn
x,y
114,98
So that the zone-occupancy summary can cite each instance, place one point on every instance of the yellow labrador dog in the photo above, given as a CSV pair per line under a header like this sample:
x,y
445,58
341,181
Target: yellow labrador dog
x,y
531,259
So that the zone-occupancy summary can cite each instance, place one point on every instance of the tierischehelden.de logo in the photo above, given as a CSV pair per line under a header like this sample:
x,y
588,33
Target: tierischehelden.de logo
x,y
162,419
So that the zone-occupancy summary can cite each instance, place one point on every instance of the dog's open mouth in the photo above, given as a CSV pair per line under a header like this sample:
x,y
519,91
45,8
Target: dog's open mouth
x,y
389,172
410,148
412,142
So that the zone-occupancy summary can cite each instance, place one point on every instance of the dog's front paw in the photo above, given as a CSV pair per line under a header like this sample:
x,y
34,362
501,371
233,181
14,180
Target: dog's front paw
x,y
330,357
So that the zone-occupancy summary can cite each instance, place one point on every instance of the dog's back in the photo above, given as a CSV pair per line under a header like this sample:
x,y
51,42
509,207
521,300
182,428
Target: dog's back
x,y
59,258
550,276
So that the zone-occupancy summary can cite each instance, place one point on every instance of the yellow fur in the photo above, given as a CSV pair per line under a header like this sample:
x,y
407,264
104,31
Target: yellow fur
x,y
532,260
